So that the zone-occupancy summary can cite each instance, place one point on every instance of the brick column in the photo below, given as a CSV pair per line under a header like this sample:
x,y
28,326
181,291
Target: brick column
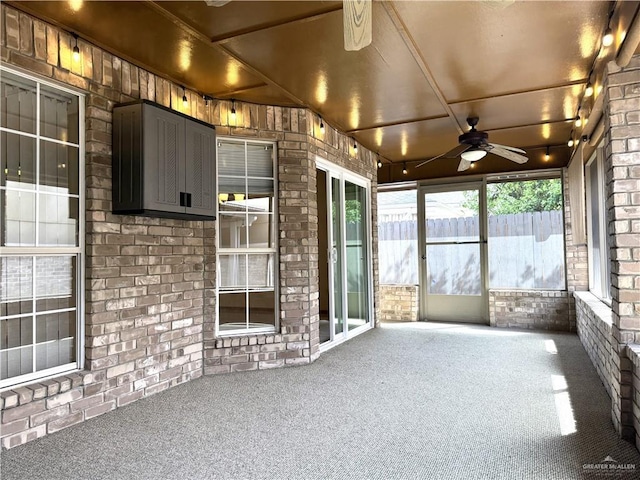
x,y
622,152
298,244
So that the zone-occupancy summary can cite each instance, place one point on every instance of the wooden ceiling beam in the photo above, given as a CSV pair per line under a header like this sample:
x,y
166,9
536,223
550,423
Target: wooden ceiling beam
x,y
276,23
521,92
263,77
420,61
535,124
400,122
203,38
231,93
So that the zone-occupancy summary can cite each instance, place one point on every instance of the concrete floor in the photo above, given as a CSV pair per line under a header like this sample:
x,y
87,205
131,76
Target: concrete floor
x,y
405,401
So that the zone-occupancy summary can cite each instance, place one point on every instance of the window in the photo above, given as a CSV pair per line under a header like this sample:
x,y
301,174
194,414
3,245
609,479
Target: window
x,y
41,229
526,234
398,237
597,246
246,237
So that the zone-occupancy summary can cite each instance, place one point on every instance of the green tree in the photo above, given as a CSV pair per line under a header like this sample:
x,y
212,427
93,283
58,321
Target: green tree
x,y
521,196
352,209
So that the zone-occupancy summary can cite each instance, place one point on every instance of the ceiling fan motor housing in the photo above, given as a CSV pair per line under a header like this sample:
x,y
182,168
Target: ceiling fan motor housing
x,y
474,137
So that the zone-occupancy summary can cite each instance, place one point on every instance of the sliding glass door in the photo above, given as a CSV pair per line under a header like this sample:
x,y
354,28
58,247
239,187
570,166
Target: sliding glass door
x,y
348,257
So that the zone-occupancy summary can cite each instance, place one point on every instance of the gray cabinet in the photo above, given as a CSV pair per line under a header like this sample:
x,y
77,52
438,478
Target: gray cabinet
x,y
163,163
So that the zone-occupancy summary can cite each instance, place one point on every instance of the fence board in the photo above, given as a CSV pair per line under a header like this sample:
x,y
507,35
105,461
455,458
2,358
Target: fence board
x,y
526,250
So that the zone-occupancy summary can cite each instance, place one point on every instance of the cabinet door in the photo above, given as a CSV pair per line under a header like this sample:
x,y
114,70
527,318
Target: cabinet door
x,y
164,160
199,172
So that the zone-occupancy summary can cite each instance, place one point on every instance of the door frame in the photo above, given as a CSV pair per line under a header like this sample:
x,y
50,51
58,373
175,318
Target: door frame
x,y
342,174
435,187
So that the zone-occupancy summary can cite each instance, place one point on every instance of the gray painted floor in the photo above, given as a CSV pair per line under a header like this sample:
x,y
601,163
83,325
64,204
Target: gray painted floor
x,y
406,401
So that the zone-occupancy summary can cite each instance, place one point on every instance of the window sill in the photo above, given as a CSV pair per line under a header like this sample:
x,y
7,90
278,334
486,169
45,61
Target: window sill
x,y
600,309
42,389
256,329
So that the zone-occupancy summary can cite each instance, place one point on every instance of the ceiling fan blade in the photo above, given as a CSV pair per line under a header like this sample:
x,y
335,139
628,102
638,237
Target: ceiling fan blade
x,y
357,24
506,147
455,152
464,165
509,155
429,160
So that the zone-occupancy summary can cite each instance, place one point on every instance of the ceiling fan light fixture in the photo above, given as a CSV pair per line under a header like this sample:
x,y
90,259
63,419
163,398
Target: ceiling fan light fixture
x,y
473,155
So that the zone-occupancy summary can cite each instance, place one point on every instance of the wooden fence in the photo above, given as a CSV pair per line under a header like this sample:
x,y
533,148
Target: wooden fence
x,y
526,250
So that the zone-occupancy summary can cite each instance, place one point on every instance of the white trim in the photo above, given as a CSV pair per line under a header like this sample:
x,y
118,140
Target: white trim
x,y
45,81
343,175
37,136
43,192
36,251
600,287
342,338
273,229
40,375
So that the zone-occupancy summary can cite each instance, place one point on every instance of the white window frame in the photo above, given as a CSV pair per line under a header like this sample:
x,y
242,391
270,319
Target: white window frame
x,y
253,250
600,287
36,251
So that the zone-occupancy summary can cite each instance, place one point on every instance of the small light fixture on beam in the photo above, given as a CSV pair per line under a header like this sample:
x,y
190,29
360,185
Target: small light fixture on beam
x,y
185,102
404,168
355,147
233,110
321,125
76,50
578,122
546,155
607,38
589,90
570,142
379,162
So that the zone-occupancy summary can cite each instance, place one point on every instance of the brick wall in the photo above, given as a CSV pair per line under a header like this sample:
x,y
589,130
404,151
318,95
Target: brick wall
x,y
622,148
150,282
633,353
399,303
538,310
595,329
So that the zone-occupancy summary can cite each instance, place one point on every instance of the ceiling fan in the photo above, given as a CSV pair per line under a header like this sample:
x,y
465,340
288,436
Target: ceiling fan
x,y
356,16
474,145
